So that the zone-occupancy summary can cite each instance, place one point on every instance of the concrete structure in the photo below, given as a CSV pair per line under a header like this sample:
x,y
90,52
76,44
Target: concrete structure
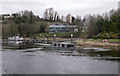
x,y
62,28
119,5
0,21
63,44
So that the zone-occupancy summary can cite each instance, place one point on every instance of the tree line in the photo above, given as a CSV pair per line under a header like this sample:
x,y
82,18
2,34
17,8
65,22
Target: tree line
x,y
26,23
106,25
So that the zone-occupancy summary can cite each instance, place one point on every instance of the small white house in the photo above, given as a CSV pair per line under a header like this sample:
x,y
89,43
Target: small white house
x,y
16,38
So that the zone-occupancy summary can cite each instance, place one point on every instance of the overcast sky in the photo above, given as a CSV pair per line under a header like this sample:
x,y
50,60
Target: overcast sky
x,y
63,7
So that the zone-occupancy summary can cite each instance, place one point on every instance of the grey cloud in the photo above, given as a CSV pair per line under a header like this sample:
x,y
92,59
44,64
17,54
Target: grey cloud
x,y
75,7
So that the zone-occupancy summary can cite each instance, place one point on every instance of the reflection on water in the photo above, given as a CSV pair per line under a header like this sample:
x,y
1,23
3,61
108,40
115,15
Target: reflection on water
x,y
97,49
98,52
17,45
30,58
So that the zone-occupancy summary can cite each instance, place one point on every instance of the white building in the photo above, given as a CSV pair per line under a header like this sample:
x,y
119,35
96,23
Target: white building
x,y
6,16
62,28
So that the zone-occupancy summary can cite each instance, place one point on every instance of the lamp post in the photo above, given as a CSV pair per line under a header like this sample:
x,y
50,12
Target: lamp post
x,y
54,38
47,39
71,38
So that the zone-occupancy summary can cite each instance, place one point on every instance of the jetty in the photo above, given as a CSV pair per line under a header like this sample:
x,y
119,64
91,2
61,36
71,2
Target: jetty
x,y
54,42
63,44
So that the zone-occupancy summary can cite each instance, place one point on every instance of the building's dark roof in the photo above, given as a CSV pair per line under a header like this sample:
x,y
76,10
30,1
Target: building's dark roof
x,y
5,15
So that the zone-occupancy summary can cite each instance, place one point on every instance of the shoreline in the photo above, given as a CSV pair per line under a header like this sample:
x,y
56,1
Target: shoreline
x,y
79,42
95,43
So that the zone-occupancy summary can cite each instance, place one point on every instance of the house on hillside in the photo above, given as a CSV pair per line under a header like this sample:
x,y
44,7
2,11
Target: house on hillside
x,y
62,28
5,16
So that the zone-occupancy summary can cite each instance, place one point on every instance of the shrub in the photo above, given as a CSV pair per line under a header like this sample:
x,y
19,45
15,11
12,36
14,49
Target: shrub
x,y
107,35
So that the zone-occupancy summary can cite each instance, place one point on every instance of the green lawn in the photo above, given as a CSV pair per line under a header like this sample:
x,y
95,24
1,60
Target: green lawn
x,y
52,34
39,22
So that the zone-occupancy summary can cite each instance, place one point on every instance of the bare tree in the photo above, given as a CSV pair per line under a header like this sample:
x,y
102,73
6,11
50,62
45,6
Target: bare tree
x,y
62,18
68,19
55,15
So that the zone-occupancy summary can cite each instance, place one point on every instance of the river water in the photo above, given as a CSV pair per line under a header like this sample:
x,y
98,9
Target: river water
x,y
30,58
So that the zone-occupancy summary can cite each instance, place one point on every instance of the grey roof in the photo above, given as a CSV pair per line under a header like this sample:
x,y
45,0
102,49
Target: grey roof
x,y
57,26
61,25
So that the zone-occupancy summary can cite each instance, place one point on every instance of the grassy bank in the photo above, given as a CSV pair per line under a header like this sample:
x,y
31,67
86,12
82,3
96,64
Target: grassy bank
x,y
98,42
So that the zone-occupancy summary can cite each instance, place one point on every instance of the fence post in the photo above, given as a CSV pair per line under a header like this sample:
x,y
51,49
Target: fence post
x,y
54,38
